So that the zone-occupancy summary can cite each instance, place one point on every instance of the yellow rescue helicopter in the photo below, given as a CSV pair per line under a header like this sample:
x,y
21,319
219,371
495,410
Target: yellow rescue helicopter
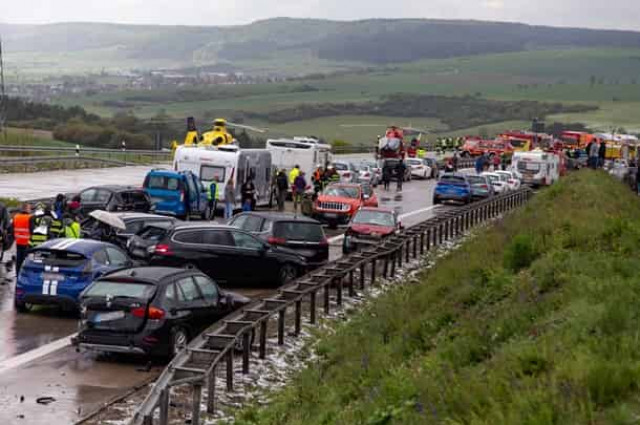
x,y
217,136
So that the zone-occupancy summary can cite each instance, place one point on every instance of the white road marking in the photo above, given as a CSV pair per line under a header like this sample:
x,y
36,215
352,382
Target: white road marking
x,y
35,354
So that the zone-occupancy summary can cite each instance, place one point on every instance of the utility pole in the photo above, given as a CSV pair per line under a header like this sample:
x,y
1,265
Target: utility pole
x,y
3,97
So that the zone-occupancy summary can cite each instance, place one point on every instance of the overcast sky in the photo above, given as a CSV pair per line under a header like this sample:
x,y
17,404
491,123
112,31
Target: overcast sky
x,y
615,14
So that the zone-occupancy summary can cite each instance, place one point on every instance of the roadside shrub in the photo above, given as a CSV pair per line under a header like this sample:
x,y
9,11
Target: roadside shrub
x,y
520,253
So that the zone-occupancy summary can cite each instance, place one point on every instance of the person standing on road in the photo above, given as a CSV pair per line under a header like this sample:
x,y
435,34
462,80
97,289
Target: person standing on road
x,y
22,234
282,186
72,227
212,194
479,164
299,187
39,227
496,162
504,160
293,174
593,155
229,199
386,176
638,181
454,160
400,170
602,154
248,195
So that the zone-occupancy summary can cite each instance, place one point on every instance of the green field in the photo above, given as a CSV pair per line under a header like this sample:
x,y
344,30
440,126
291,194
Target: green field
x,y
609,78
534,321
28,137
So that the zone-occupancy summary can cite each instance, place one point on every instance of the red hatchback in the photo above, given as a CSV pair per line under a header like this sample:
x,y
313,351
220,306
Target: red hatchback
x,y
368,227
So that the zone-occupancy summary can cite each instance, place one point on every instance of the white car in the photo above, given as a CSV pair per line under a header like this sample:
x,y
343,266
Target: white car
x,y
368,175
499,185
512,181
348,172
418,168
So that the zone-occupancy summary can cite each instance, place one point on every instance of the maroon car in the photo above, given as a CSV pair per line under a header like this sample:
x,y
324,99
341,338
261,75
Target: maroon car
x,y
368,227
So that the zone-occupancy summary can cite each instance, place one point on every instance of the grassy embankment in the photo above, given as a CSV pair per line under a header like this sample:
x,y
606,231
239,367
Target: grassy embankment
x,y
534,321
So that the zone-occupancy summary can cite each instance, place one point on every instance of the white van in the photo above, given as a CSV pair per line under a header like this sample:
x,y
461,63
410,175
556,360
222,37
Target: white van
x,y
218,164
305,152
537,168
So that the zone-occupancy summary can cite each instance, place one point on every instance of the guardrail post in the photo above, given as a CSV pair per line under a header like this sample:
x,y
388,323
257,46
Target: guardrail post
x,y
400,252
281,314
352,289
246,351
263,339
195,404
440,233
428,239
230,370
211,392
327,293
147,420
415,246
298,318
312,307
407,248
362,270
422,243
373,271
164,407
385,268
339,290
393,263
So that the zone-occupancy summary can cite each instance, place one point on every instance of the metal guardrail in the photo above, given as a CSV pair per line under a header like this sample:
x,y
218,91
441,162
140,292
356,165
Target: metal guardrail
x,y
196,365
43,159
15,148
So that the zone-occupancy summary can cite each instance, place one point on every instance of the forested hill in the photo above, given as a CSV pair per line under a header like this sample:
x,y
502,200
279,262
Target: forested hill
x,y
369,41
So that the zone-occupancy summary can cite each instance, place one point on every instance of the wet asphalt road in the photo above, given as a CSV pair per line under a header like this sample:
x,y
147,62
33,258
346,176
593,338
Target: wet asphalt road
x,y
81,382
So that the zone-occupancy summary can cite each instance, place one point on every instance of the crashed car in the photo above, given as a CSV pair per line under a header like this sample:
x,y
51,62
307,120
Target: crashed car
x,y
338,203
368,227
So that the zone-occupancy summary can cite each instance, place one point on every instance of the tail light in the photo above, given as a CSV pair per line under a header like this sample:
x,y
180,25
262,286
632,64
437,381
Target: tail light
x,y
324,241
161,249
276,241
347,174
181,196
152,313
484,186
367,175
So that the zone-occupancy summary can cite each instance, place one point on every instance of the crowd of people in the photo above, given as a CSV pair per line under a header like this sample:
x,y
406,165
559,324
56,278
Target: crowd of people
x,y
486,162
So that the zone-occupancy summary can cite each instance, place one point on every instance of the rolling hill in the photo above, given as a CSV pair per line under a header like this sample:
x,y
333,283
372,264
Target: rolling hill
x,y
91,46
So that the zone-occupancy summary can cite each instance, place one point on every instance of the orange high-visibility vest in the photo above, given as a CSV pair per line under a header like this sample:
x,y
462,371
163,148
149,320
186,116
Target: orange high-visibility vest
x,y
21,228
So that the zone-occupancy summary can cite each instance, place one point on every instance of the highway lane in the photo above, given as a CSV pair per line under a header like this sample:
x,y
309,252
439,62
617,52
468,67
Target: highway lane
x,y
81,382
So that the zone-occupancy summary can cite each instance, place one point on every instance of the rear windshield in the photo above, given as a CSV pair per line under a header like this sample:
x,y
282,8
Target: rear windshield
x,y
342,191
210,173
163,182
134,197
414,162
452,179
57,258
374,217
533,166
292,230
492,178
476,180
136,290
154,233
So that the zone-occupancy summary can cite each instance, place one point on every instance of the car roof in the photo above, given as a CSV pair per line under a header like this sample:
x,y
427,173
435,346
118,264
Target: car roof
x,y
146,274
378,209
196,225
77,246
116,188
280,216
455,175
345,184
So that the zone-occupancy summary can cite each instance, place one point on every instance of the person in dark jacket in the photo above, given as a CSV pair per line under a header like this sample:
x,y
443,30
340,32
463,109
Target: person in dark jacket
x,y
400,170
638,180
299,187
248,195
602,154
386,176
282,186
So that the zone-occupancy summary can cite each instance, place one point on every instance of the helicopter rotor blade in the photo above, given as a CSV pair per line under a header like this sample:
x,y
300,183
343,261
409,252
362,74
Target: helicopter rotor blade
x,y
247,127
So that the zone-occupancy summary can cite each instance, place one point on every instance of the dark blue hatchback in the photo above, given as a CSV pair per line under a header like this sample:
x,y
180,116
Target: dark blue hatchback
x,y
57,271
453,187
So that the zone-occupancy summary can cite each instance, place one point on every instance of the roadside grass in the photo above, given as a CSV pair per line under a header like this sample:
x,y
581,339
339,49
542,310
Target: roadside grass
x,y
533,321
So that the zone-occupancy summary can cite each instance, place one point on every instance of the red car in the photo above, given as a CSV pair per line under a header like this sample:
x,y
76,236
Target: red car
x,y
368,227
337,203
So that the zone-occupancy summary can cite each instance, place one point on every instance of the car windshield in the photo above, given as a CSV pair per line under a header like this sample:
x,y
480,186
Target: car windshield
x,y
377,218
298,231
414,162
367,189
528,165
57,258
104,288
163,182
493,178
448,178
340,166
342,191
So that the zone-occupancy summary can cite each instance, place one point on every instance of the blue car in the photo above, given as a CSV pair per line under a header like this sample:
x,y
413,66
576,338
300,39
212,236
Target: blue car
x,y
453,187
57,271
177,193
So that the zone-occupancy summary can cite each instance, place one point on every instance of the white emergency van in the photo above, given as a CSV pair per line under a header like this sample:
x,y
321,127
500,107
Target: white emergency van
x,y
305,152
219,164
536,167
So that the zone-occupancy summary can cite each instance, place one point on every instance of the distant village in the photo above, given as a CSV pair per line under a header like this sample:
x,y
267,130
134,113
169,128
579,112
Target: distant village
x,y
107,82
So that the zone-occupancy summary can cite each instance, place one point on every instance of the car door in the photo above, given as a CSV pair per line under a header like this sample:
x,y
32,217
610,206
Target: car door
x,y
211,293
117,259
251,254
192,309
223,264
94,199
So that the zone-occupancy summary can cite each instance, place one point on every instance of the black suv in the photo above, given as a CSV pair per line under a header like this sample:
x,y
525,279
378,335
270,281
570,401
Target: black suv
x,y
114,198
150,310
302,234
227,254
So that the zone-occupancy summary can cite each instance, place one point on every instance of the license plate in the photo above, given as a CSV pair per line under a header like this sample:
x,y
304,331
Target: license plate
x,y
108,317
331,215
53,277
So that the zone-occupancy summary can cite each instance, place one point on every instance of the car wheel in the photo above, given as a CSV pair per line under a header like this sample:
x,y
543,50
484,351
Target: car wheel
x,y
179,340
22,307
287,273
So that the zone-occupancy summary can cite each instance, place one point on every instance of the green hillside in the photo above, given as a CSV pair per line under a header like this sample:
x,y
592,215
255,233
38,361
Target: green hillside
x,y
323,45
534,321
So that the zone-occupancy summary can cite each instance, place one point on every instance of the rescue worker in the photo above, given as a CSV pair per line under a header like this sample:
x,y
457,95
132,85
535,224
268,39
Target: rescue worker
x,y
317,180
334,176
504,160
56,228
74,206
59,205
421,153
293,174
22,234
212,195
72,227
39,227
282,186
